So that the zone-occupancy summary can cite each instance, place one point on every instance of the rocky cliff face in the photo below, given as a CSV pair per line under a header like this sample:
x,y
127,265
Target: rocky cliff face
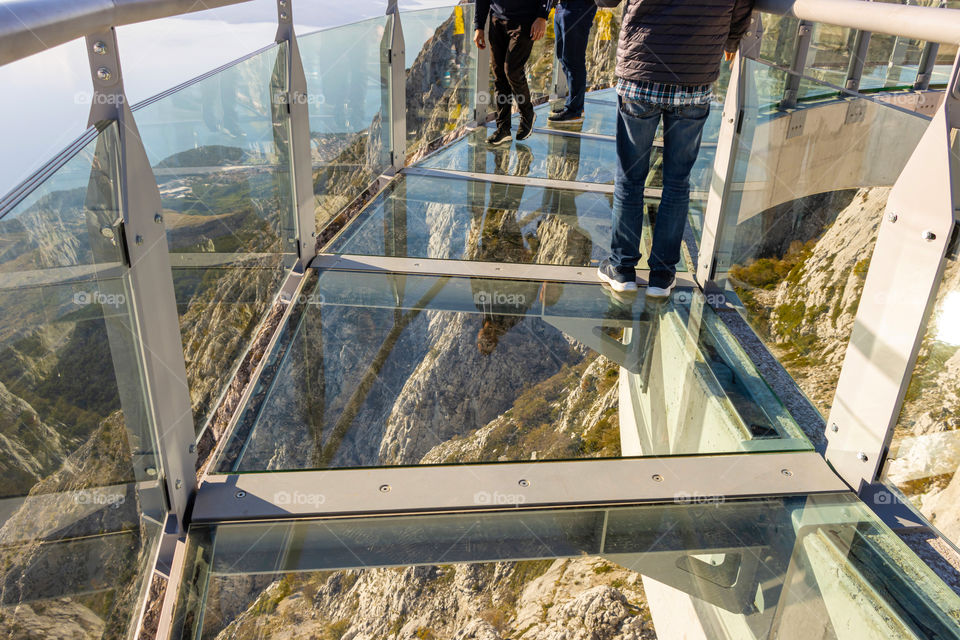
x,y
576,599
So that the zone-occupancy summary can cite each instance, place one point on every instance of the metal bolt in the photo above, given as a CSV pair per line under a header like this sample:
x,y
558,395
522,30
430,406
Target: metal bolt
x,y
178,484
283,15
862,457
524,482
106,232
100,48
104,74
786,472
385,488
892,217
929,235
139,240
158,219
192,448
834,427
657,477
151,471
241,494
283,3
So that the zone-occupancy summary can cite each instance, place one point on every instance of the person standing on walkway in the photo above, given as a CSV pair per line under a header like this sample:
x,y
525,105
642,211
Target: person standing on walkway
x,y
668,56
571,24
514,26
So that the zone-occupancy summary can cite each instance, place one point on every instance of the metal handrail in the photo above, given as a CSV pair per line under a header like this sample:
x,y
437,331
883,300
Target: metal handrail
x,y
932,24
32,26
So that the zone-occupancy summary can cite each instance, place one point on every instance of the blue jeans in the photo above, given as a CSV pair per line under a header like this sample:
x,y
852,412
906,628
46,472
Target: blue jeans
x,y
636,126
571,26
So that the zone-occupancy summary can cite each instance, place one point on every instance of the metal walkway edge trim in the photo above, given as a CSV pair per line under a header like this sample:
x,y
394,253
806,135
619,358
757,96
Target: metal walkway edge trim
x,y
708,479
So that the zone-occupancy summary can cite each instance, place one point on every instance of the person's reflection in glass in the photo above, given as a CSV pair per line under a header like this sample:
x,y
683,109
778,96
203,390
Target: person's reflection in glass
x,y
496,235
560,238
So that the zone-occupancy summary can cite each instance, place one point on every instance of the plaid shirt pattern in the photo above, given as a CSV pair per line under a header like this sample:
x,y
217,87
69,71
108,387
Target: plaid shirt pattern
x,y
673,95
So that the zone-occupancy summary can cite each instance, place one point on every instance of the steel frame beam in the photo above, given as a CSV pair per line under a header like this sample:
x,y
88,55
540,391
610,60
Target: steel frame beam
x,y
396,74
905,271
299,494
153,303
481,102
469,268
295,97
792,88
858,57
928,59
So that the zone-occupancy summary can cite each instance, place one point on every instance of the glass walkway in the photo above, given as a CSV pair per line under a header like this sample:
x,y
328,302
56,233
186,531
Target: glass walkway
x,y
289,351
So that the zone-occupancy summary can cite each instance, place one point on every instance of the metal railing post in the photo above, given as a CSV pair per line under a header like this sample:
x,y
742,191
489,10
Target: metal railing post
x,y
396,72
905,271
296,99
153,305
928,58
481,103
858,57
792,88
720,216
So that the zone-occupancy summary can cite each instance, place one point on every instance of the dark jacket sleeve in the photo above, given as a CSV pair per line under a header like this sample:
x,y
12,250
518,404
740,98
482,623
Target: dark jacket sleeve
x,y
738,24
480,11
607,4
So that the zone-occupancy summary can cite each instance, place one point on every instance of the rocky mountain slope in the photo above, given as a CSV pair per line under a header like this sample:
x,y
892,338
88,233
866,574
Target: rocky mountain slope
x,y
566,599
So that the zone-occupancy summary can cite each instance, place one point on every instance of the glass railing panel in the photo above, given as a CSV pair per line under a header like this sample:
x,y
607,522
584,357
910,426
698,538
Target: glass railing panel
x,y
556,157
943,64
386,370
745,570
809,188
891,62
80,498
348,95
455,219
829,54
779,40
602,48
441,73
219,148
925,451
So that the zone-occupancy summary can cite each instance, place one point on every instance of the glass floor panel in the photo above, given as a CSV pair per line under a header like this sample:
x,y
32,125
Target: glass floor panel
x,y
554,157
380,369
456,219
600,118
788,568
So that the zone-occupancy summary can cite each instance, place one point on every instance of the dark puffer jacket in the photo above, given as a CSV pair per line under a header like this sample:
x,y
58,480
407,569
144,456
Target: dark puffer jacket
x,y
678,41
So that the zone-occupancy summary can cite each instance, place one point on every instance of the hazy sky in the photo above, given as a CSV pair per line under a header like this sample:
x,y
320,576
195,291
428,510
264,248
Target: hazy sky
x,y
46,101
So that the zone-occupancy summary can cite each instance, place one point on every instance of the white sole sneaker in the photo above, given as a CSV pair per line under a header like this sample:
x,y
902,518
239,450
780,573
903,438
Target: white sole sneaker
x,y
658,292
616,285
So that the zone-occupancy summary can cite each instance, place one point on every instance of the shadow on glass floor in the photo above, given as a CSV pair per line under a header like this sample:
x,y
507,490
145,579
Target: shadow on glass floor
x,y
378,369
456,219
788,568
555,157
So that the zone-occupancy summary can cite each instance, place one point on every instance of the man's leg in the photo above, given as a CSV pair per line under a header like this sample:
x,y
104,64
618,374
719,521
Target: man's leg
x,y
577,23
682,129
636,126
499,41
518,52
559,26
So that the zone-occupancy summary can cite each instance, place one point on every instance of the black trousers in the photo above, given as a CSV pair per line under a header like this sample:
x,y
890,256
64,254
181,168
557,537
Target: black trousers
x,y
510,47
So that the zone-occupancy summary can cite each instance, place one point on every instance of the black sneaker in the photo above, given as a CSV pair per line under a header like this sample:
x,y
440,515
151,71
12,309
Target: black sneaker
x,y
499,137
526,128
619,278
566,117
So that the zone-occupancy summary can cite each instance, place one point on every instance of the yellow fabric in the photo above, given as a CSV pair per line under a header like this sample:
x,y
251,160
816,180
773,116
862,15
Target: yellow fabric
x,y
604,24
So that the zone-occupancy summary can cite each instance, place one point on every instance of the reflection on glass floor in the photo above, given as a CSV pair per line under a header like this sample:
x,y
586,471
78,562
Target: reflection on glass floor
x,y
387,369
790,568
456,219
556,157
